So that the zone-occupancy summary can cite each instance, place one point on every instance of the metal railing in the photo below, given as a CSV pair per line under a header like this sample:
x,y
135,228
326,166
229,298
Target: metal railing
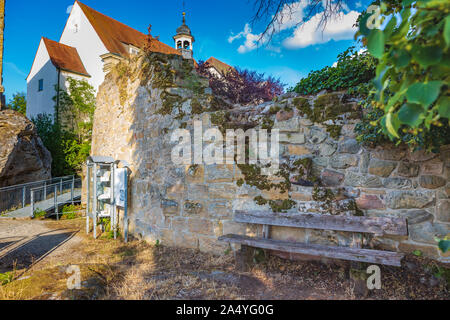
x,y
50,197
19,196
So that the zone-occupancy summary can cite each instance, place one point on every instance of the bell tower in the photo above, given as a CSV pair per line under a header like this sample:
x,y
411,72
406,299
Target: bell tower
x,y
184,40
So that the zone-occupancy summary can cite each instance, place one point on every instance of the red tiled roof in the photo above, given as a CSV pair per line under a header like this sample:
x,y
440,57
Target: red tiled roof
x,y
219,65
65,57
114,34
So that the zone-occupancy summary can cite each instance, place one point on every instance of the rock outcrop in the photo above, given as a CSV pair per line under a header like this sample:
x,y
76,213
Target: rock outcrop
x,y
23,156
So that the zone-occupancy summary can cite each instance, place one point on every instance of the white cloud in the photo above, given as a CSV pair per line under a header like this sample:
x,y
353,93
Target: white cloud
x,y
69,9
303,34
310,33
251,40
358,4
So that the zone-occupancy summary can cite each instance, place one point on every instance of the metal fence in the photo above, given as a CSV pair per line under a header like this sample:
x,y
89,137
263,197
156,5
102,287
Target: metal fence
x,y
50,197
19,196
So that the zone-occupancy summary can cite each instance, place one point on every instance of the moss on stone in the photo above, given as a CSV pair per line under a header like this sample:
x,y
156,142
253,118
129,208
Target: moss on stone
x,y
334,131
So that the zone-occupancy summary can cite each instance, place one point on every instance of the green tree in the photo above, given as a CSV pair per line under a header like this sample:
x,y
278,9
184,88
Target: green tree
x,y
68,136
18,103
413,72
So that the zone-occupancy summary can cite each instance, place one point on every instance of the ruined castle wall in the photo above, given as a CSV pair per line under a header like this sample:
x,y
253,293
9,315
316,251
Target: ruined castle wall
x,y
191,206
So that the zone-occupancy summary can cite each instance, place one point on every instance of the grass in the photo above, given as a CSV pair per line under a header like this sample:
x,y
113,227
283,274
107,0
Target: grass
x,y
138,270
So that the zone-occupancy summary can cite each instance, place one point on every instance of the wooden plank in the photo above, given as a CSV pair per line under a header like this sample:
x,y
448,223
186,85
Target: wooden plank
x,y
375,225
342,253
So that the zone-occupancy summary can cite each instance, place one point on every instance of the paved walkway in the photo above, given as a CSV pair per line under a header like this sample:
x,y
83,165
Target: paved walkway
x,y
46,205
23,243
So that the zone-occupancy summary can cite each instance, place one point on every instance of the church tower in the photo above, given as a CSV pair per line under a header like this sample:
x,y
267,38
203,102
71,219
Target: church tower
x,y
184,40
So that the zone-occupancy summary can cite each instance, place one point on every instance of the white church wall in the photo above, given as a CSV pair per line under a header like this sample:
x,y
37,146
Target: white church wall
x,y
80,34
39,102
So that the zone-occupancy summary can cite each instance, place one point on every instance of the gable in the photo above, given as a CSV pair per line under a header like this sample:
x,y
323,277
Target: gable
x,y
65,57
115,35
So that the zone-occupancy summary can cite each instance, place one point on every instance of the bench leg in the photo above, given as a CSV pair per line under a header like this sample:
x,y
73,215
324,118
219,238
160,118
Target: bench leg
x,y
244,258
358,280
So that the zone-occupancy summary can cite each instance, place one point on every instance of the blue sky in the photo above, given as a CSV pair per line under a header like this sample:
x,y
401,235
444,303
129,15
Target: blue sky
x,y
221,29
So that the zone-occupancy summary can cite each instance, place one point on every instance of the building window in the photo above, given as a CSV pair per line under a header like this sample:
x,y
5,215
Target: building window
x,y
179,45
187,45
41,85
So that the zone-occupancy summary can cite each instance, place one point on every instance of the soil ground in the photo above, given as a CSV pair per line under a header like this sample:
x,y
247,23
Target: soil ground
x,y
35,256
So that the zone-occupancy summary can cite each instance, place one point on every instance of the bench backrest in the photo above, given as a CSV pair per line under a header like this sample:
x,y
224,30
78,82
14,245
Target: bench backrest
x,y
374,225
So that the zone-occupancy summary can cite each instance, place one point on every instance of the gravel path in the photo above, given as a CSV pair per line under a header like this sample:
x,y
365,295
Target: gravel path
x,y
24,243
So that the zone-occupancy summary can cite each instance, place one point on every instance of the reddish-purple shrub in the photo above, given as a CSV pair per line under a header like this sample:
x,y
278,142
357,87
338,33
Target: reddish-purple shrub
x,y
241,85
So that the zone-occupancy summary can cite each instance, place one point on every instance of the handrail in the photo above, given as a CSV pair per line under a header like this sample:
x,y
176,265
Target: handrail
x,y
54,184
18,186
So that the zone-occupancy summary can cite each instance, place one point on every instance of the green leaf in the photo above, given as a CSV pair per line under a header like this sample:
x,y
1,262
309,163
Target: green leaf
x,y
424,93
392,125
417,253
447,31
401,58
427,56
444,245
411,114
375,43
363,25
443,107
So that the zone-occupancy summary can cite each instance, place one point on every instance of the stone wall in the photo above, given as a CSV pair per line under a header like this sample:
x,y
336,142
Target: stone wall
x,y
191,206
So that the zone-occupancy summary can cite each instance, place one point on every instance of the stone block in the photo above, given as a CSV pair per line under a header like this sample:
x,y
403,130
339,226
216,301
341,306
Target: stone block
x,y
409,199
170,207
219,173
317,136
357,180
212,245
222,191
443,211
294,138
344,161
327,149
408,169
433,167
193,208
349,146
427,232
220,209
370,202
291,125
186,240
288,234
197,192
418,216
382,168
195,174
397,183
201,226
432,182
421,155
430,251
295,150
386,153
332,178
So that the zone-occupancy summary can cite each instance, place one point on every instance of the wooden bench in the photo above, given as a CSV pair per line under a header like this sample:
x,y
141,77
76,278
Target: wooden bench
x,y
378,226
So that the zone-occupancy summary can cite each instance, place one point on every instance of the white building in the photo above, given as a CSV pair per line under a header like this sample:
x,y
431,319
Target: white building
x,y
89,44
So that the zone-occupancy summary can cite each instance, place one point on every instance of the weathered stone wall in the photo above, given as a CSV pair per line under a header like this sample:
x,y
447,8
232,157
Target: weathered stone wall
x,y
192,206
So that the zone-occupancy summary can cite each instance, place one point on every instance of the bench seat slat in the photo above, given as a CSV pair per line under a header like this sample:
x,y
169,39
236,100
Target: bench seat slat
x,y
342,253
375,225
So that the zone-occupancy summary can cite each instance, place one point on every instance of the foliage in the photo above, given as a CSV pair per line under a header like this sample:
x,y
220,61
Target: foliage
x,y
6,278
412,75
444,244
54,139
71,212
76,108
353,71
69,137
18,103
241,85
38,213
